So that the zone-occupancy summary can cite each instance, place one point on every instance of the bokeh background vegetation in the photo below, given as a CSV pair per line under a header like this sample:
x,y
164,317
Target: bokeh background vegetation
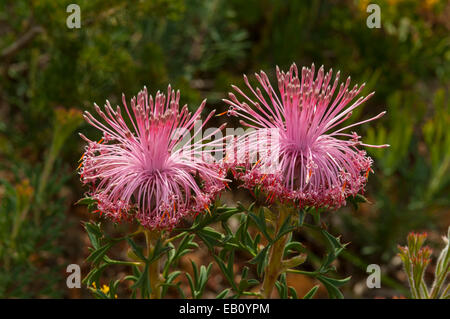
x,y
50,73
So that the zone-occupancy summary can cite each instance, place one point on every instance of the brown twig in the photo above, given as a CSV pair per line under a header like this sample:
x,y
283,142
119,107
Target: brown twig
x,y
26,38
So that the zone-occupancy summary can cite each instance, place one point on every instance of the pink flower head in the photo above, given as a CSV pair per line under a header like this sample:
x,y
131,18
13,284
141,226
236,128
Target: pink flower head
x,y
145,168
317,164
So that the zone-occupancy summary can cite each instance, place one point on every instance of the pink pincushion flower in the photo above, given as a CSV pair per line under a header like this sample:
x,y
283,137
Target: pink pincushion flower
x,y
145,168
312,163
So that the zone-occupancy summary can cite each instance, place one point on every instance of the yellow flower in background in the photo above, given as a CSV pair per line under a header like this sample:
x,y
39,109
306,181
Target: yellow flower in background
x,y
362,5
25,190
105,289
429,4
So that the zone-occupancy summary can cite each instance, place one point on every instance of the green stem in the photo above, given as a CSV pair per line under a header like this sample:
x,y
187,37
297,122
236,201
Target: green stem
x,y
51,157
273,267
446,291
20,217
424,290
154,267
417,284
437,286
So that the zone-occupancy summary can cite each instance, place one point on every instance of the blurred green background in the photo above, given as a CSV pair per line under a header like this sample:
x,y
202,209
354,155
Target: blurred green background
x,y
50,73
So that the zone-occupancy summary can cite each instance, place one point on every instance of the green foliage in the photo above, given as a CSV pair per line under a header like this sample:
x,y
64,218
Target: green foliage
x,y
199,280
242,241
31,220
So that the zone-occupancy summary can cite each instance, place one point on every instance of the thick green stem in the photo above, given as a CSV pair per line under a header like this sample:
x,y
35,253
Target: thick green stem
x,y
154,267
154,280
273,268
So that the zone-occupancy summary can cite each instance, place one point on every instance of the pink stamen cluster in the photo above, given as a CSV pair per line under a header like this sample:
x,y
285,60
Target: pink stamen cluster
x,y
317,164
143,167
